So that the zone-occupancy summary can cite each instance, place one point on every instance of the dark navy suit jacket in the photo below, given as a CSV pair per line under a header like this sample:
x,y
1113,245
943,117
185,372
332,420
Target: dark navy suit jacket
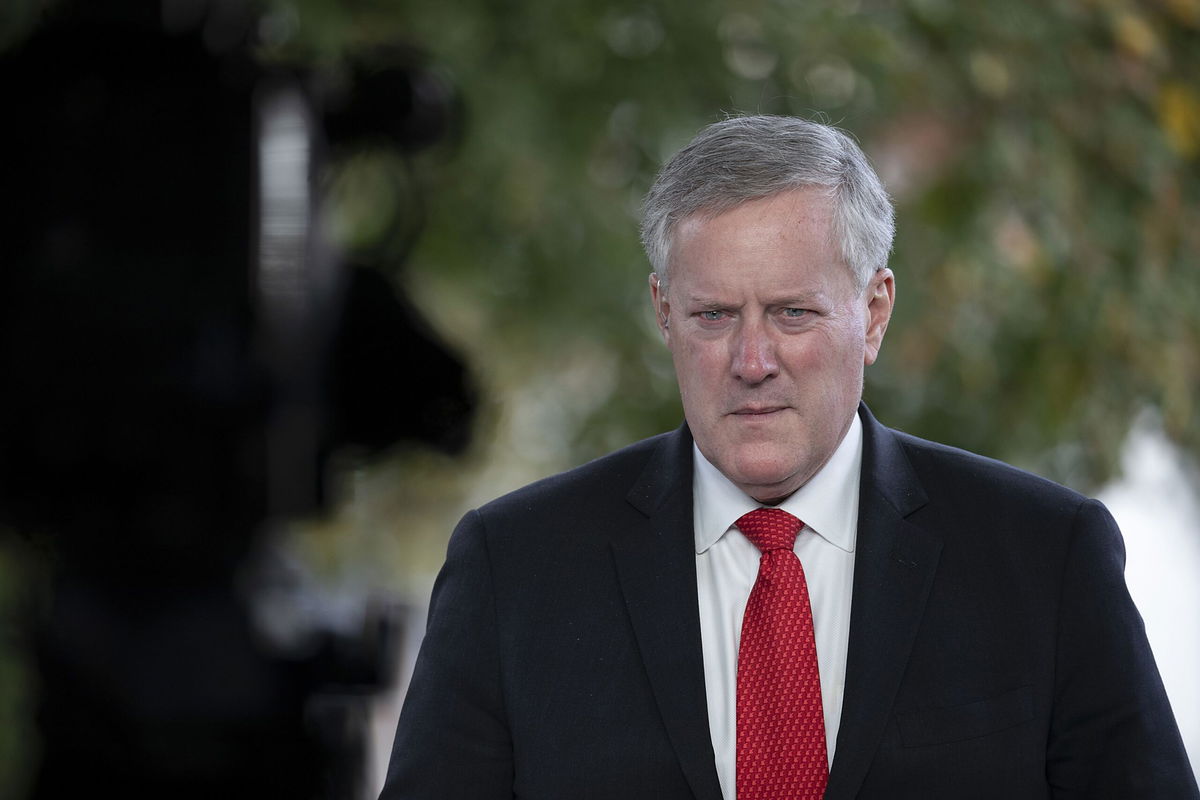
x,y
994,651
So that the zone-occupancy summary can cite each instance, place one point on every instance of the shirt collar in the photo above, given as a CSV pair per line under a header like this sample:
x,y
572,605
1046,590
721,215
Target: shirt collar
x,y
828,502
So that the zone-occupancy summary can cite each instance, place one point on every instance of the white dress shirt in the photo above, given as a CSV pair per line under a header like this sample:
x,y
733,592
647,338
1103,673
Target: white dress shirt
x,y
727,564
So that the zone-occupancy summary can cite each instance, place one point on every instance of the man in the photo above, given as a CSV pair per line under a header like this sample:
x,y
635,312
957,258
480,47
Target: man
x,y
943,626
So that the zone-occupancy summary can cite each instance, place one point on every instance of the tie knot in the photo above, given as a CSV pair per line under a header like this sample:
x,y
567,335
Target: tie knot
x,y
770,528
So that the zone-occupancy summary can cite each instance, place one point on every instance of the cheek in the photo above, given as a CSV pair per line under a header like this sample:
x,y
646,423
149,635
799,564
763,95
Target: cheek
x,y
845,346
811,357
701,382
697,361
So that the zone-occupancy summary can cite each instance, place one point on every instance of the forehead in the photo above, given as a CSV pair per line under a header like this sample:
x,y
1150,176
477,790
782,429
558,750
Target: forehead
x,y
790,233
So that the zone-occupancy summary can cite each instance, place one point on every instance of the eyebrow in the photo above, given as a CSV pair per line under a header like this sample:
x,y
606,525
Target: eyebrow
x,y
706,304
803,300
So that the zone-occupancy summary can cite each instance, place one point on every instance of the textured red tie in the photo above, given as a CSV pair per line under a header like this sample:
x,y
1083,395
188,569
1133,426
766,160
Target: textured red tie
x,y
780,722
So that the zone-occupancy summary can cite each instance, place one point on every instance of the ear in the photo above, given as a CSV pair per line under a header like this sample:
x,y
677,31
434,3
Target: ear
x,y
661,306
880,297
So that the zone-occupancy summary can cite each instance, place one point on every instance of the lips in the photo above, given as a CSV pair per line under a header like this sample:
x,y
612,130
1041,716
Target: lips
x,y
757,411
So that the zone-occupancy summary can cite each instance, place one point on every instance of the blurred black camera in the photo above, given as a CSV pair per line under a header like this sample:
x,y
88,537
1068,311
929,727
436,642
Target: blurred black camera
x,y
182,349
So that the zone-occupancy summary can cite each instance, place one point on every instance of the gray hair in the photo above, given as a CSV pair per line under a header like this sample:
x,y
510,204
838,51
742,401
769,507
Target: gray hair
x,y
748,158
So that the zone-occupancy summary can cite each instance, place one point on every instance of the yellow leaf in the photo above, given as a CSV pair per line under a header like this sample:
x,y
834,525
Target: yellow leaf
x,y
1135,35
1179,116
1186,11
989,74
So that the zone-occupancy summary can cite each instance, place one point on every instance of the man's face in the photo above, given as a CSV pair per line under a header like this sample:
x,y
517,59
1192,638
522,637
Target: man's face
x,y
769,335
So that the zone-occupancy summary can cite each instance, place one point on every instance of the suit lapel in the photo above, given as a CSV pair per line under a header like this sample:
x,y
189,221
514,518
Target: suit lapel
x,y
894,567
656,565
895,563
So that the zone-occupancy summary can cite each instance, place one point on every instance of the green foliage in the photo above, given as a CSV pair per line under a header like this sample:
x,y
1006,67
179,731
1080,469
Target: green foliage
x,y
1043,156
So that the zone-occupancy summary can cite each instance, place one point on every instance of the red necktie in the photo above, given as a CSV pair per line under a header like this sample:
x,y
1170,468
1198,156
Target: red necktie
x,y
780,723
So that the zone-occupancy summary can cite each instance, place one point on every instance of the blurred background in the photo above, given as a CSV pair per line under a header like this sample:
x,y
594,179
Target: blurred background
x,y
466,175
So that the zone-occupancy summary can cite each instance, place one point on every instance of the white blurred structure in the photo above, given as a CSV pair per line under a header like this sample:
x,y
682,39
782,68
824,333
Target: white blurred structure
x,y
1157,505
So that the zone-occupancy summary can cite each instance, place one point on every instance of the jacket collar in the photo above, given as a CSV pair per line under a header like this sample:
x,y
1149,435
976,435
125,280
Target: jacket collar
x,y
656,567
893,572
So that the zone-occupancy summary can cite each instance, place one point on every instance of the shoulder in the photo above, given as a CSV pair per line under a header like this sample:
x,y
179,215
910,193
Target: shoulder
x,y
973,497
996,522
954,470
563,524
589,502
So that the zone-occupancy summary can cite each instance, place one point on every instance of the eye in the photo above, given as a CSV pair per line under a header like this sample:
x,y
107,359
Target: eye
x,y
711,315
795,313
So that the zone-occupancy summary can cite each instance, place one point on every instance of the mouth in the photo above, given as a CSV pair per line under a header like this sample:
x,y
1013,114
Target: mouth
x,y
752,412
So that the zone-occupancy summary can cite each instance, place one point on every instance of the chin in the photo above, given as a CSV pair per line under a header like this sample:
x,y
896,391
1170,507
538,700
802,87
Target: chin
x,y
765,478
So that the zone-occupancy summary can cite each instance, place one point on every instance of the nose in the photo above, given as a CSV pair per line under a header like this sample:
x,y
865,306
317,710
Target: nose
x,y
754,354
